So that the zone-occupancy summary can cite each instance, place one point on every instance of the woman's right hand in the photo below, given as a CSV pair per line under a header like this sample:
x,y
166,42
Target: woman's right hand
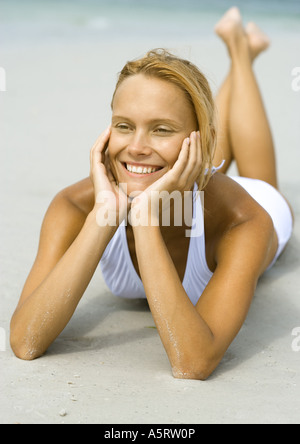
x,y
110,201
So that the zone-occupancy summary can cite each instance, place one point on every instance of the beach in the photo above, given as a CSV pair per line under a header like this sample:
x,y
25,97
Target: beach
x,y
60,63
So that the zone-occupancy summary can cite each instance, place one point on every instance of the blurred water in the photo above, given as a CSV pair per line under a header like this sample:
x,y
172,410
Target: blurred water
x,y
36,20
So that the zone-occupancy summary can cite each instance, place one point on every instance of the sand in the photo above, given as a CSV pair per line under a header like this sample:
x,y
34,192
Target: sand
x,y
109,365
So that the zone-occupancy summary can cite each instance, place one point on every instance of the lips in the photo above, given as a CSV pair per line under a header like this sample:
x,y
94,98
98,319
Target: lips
x,y
141,169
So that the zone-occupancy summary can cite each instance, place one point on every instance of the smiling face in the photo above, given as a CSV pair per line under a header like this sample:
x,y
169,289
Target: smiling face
x,y
151,118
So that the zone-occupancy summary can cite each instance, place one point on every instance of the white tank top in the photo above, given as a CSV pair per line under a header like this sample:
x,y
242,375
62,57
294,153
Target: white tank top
x,y
122,279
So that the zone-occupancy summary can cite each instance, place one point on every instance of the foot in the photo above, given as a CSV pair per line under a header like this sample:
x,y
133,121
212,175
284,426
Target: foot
x,y
258,41
230,27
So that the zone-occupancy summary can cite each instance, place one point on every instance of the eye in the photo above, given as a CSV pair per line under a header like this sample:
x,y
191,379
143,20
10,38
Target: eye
x,y
124,127
163,130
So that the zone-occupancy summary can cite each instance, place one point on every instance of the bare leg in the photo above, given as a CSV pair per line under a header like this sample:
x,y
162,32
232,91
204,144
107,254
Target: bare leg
x,y
245,133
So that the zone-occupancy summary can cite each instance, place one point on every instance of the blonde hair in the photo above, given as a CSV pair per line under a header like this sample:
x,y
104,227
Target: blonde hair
x,y
159,63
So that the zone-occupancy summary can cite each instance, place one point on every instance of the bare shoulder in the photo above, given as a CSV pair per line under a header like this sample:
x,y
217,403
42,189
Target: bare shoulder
x,y
67,214
62,223
228,203
231,213
65,218
80,195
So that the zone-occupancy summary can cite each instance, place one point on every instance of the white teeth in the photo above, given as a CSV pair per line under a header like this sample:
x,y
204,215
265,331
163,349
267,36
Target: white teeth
x,y
140,170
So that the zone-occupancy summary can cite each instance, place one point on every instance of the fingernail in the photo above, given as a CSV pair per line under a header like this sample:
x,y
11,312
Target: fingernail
x,y
187,141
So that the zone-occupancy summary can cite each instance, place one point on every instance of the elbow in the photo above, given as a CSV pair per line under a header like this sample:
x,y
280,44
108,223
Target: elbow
x,y
25,347
22,351
190,374
199,371
25,354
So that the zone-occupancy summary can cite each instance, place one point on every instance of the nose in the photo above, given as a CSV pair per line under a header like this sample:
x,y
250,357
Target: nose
x,y
139,145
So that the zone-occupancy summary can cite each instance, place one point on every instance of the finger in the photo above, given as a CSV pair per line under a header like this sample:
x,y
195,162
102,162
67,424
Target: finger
x,y
199,159
191,171
183,157
99,146
193,152
194,162
199,151
191,158
102,139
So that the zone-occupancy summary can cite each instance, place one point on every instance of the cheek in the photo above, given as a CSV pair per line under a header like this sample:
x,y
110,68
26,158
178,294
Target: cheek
x,y
171,150
113,146
113,150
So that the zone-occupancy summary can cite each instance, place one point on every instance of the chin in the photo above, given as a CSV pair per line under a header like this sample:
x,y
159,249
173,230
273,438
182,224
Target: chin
x,y
133,189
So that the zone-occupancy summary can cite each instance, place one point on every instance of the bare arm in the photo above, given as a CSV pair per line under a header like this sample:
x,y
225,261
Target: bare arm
x,y
196,338
71,246
60,276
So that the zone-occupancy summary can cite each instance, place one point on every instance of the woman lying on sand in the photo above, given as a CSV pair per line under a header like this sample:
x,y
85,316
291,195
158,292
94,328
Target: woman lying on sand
x,y
163,138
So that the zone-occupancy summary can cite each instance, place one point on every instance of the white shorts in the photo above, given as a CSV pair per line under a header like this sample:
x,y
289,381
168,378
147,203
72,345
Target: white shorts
x,y
275,204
